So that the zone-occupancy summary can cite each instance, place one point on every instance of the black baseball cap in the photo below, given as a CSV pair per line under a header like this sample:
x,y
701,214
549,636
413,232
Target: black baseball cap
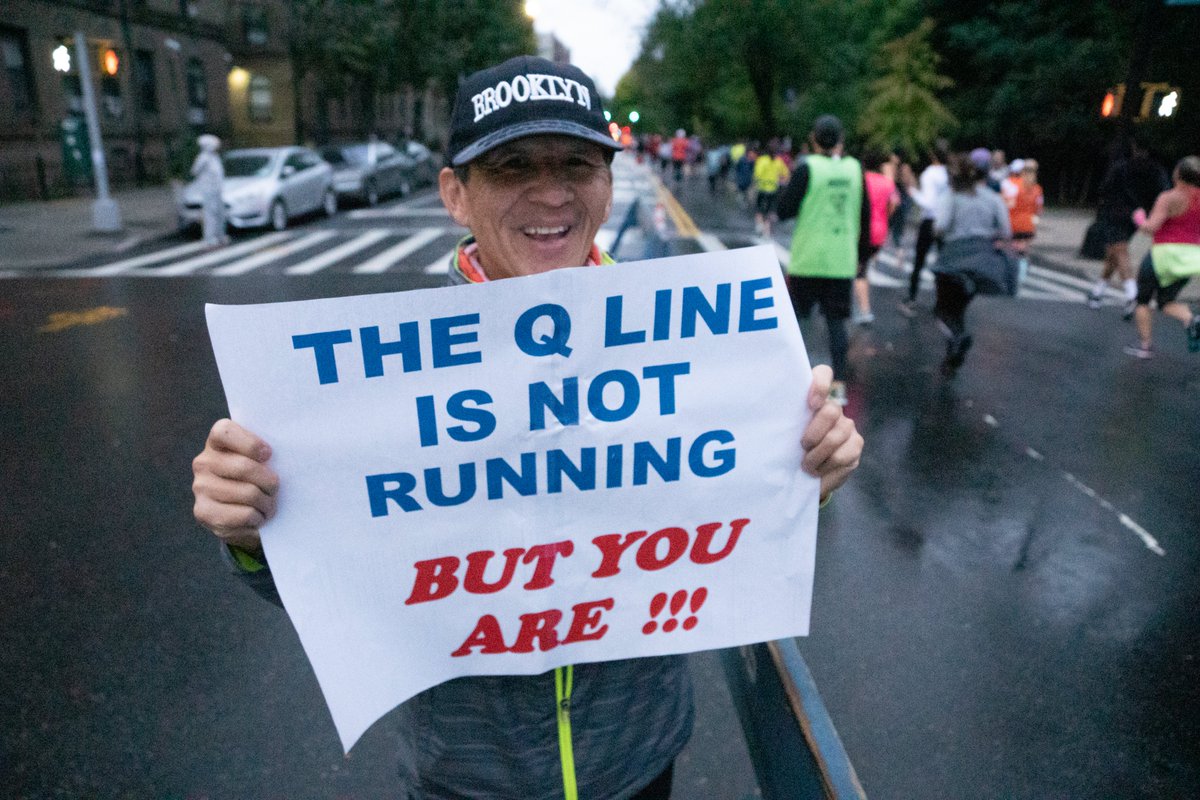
x,y
827,131
524,96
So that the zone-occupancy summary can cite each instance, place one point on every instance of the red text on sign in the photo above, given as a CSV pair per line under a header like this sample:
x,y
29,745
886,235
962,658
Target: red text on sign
x,y
649,555
438,577
540,628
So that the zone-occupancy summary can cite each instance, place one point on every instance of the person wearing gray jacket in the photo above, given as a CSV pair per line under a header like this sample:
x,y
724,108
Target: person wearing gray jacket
x,y
972,221
531,179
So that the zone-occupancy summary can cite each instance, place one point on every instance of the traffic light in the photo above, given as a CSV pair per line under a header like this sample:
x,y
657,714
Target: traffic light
x,y
110,62
1159,101
1113,100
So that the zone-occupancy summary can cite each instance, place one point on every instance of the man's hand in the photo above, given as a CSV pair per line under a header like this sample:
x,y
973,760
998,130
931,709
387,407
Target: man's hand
x,y
234,487
832,445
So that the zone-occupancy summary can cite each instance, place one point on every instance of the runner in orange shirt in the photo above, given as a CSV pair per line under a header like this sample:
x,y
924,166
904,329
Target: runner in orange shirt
x,y
1024,211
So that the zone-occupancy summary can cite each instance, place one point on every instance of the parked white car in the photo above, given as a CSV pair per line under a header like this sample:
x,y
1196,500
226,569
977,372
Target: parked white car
x,y
267,186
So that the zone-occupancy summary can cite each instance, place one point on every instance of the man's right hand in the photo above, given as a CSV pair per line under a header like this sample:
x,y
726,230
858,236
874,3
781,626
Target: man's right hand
x,y
234,488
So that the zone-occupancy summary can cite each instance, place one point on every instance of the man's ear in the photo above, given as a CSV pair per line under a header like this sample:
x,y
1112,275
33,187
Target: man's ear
x,y
454,196
609,205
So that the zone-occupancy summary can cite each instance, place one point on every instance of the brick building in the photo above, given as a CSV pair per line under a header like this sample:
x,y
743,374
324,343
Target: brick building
x,y
159,72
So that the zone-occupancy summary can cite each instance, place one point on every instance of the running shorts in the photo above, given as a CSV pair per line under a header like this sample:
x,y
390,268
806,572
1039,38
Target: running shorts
x,y
831,295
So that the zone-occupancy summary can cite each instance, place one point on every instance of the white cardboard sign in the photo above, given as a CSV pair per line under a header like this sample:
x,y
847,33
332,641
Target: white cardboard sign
x,y
585,465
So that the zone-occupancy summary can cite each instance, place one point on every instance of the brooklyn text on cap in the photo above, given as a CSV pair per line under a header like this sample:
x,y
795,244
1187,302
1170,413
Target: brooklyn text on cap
x,y
525,96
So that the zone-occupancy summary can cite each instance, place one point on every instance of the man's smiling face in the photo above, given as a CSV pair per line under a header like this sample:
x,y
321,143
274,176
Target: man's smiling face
x,y
533,204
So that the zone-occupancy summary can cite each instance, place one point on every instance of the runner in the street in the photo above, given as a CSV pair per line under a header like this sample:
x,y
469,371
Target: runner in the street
x,y
971,220
1132,182
934,184
883,199
827,195
1025,211
1174,258
770,172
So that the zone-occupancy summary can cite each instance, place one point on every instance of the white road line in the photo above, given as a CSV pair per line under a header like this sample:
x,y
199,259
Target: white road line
x,y
257,260
117,267
336,254
877,278
397,211
440,265
710,243
217,256
383,261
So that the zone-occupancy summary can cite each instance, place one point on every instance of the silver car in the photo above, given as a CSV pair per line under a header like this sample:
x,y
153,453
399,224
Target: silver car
x,y
267,186
369,171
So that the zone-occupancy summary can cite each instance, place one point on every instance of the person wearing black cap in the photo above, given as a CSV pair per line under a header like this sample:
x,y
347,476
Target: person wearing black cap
x,y
827,195
529,176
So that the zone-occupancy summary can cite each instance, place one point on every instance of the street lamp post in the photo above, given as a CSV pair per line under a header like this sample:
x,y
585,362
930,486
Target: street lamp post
x,y
106,214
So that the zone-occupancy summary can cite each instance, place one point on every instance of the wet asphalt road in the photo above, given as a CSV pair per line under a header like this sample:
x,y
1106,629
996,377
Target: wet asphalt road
x,y
988,622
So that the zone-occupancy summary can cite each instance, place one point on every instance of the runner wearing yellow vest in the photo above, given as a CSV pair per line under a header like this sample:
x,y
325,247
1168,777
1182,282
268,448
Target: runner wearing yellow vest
x,y
827,196
769,172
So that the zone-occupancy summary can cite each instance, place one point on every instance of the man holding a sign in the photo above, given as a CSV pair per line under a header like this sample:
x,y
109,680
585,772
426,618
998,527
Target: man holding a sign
x,y
481,716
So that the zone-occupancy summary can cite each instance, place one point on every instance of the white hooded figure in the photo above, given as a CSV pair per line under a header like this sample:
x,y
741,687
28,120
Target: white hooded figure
x,y
210,174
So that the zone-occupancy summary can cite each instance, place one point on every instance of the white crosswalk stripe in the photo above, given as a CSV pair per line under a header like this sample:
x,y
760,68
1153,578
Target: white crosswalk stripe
x,y
397,211
440,265
125,265
272,254
382,261
336,254
191,265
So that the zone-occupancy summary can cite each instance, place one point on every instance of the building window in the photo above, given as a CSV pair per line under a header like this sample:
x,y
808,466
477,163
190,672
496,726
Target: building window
x,y
143,79
260,98
15,54
254,25
197,92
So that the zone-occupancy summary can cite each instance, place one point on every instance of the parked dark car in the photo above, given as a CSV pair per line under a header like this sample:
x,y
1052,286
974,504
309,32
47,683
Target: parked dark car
x,y
370,171
425,163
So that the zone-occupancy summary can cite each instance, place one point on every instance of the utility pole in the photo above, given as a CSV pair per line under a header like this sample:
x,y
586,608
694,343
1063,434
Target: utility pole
x,y
106,214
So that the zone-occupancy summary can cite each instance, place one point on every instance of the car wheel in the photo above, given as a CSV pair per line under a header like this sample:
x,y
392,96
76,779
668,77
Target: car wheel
x,y
372,194
329,203
279,217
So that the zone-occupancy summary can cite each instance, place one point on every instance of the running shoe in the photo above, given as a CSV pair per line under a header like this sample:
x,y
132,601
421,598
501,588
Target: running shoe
x,y
1193,334
1094,300
956,353
837,392
1130,307
908,308
1137,351
864,320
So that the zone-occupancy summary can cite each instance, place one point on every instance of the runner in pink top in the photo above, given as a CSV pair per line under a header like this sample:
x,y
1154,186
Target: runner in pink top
x,y
883,199
1174,258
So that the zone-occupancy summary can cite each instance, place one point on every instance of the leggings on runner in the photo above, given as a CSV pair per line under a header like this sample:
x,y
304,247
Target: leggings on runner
x,y
952,301
924,242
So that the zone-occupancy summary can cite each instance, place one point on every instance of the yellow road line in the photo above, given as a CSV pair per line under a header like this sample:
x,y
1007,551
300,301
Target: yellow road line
x,y
62,320
683,222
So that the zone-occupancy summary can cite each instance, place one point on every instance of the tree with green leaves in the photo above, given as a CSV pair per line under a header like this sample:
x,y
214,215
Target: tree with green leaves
x,y
902,107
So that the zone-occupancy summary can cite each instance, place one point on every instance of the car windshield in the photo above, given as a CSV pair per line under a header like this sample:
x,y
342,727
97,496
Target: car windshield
x,y
247,166
354,155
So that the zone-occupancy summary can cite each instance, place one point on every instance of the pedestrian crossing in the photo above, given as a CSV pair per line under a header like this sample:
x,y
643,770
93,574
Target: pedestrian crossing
x,y
357,251
423,238
888,271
